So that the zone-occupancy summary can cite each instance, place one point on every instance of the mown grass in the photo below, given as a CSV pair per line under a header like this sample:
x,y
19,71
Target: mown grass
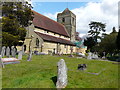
x,y
41,72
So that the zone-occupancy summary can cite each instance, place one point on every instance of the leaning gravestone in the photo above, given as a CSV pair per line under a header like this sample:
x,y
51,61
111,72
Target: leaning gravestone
x,y
30,56
3,51
89,55
8,52
62,75
20,55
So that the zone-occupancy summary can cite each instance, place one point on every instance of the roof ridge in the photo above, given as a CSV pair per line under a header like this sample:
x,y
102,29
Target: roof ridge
x,y
52,20
51,35
48,17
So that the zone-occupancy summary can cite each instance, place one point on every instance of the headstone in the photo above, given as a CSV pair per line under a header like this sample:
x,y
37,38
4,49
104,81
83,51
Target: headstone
x,y
20,55
96,56
82,66
13,51
89,55
93,56
8,52
23,49
3,51
29,56
62,75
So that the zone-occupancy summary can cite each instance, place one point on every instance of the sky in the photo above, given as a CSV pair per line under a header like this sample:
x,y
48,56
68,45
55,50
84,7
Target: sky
x,y
105,11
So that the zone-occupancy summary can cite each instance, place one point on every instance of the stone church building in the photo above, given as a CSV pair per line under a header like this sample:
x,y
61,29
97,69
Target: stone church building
x,y
46,35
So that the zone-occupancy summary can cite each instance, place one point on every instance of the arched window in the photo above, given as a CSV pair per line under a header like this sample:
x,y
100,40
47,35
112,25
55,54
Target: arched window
x,y
37,42
63,19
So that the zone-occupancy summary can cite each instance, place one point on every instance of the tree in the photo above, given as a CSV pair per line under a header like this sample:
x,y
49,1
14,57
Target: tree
x,y
108,43
113,30
89,42
95,29
118,40
16,16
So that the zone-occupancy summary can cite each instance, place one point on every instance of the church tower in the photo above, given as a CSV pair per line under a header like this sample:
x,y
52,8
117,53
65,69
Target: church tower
x,y
68,19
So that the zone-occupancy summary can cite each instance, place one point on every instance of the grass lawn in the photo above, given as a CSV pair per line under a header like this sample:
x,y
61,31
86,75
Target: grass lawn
x,y
41,72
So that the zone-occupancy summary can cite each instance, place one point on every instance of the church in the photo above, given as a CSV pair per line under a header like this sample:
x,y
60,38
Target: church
x,y
48,36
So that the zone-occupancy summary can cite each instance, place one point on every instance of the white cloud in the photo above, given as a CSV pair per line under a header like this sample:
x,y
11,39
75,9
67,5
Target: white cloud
x,y
105,11
52,16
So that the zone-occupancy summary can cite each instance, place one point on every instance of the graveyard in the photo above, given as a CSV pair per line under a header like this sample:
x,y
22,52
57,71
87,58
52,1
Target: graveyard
x,y
41,72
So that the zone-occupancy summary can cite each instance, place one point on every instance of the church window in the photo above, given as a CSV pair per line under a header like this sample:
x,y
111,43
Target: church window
x,y
73,20
37,42
65,46
63,19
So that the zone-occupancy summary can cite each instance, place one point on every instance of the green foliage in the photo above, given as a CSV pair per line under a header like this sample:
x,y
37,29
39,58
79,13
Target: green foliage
x,y
108,43
9,39
90,42
41,72
95,29
16,16
118,40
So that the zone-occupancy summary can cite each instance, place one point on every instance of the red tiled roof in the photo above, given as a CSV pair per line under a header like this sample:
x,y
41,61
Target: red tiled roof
x,y
50,38
46,23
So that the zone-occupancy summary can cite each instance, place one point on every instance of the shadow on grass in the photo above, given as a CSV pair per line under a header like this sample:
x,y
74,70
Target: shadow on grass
x,y
54,79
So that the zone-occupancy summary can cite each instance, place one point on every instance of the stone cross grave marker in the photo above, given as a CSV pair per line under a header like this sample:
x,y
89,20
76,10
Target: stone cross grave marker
x,y
20,55
3,51
62,75
29,56
8,52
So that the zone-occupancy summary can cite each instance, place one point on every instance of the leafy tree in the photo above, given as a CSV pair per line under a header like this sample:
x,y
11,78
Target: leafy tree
x,y
16,16
118,40
113,30
89,42
95,29
108,43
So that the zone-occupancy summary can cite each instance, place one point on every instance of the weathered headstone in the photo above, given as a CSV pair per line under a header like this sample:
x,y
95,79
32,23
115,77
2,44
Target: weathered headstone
x,y
20,55
3,51
13,51
8,52
62,75
96,56
93,56
23,50
29,56
82,66
89,55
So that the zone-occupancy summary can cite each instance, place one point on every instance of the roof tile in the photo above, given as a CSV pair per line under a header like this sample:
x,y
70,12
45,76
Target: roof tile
x,y
46,23
50,38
